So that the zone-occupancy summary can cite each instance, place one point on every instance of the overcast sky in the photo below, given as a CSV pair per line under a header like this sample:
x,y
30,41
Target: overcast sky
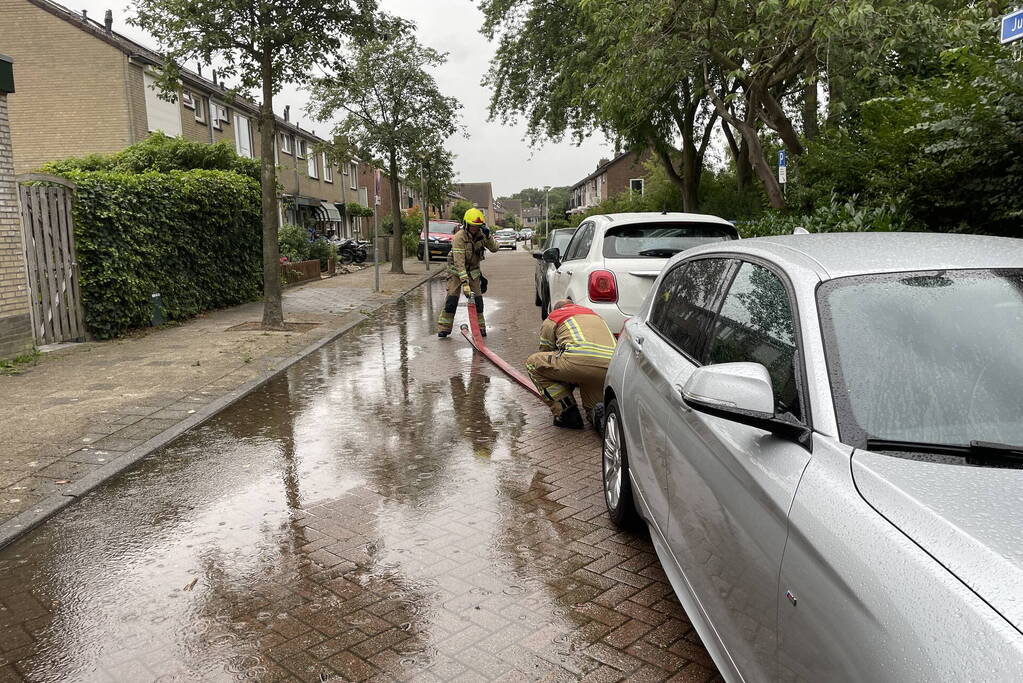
x,y
489,150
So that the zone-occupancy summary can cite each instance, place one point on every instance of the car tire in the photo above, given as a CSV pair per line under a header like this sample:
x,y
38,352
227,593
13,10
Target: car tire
x,y
419,254
537,301
621,507
545,307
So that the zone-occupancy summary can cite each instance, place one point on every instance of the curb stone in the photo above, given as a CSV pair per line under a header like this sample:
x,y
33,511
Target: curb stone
x,y
29,519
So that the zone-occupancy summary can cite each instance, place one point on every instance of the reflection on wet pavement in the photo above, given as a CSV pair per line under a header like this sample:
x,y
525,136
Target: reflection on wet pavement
x,y
390,507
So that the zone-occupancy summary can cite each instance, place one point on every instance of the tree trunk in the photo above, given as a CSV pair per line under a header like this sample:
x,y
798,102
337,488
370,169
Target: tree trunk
x,y
810,127
273,311
774,116
691,169
763,169
740,155
397,248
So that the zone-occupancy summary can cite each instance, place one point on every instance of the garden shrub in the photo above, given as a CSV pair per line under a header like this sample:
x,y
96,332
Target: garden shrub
x,y
323,250
835,216
294,242
160,152
193,236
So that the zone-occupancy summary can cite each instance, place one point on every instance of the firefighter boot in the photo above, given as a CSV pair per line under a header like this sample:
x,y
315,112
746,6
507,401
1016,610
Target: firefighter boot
x,y
569,418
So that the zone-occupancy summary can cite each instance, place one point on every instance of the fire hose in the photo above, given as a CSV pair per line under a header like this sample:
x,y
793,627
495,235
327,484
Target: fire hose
x,y
476,339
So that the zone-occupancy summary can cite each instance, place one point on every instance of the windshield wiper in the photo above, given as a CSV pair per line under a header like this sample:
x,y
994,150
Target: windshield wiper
x,y
659,253
976,451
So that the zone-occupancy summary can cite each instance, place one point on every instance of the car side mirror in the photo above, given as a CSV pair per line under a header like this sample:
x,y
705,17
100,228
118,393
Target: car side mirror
x,y
538,255
741,392
552,255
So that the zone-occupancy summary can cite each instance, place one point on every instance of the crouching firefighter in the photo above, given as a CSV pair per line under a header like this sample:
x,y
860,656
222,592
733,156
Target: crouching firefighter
x,y
575,349
464,276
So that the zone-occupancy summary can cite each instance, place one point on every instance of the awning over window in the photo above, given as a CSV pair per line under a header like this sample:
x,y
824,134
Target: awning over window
x,y
332,213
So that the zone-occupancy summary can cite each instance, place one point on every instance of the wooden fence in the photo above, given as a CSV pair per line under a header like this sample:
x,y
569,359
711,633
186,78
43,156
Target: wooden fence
x,y
300,271
50,255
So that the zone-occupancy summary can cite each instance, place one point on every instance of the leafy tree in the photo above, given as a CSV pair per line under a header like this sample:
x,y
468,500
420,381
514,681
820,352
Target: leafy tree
x,y
391,108
264,44
459,208
437,170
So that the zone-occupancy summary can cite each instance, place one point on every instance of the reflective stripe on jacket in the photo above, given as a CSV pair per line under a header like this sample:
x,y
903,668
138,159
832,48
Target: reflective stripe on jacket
x,y
578,332
467,253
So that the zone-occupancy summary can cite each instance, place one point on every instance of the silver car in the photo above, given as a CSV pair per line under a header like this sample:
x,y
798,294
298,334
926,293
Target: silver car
x,y
824,435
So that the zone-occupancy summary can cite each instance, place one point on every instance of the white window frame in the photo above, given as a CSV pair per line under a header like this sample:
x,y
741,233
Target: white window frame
x,y
287,144
311,164
218,114
355,176
238,134
187,99
642,185
200,110
328,172
300,148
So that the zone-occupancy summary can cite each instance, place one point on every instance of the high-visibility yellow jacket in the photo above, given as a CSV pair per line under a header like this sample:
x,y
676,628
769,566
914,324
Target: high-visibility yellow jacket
x,y
579,333
467,253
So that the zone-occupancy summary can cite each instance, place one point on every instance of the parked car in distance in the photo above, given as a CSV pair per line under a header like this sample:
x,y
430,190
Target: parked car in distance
x,y
823,434
440,235
613,259
526,234
506,239
557,239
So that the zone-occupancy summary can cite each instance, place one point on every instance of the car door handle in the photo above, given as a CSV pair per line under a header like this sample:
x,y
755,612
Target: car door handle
x,y
568,272
637,345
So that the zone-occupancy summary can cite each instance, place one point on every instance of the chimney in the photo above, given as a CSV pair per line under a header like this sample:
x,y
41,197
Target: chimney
x,y
85,15
108,21
287,112
215,77
602,162
198,68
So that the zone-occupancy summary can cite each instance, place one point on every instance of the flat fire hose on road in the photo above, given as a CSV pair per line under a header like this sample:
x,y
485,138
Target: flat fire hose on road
x,y
476,339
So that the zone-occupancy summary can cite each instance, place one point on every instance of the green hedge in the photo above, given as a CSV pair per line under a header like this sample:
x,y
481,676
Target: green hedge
x,y
193,236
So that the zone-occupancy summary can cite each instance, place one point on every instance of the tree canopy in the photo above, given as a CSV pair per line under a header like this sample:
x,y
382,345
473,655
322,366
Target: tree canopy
x,y
390,108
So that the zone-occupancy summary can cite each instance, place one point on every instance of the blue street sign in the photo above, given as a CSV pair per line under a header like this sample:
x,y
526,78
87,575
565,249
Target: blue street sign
x,y
1012,26
782,159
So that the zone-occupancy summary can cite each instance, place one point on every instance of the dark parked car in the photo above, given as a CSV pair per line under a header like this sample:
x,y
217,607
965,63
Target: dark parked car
x,y
560,239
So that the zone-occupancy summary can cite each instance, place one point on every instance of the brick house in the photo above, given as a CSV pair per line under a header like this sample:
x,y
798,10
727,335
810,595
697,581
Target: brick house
x,y
627,172
15,314
84,89
482,197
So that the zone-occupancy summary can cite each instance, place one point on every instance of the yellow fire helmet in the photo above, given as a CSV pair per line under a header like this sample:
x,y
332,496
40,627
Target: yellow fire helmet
x,y
474,217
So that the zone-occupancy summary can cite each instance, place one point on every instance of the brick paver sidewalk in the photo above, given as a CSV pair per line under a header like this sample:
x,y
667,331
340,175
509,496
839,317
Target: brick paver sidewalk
x,y
89,405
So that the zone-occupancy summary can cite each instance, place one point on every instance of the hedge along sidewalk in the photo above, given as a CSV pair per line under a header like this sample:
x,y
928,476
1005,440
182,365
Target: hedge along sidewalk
x,y
86,413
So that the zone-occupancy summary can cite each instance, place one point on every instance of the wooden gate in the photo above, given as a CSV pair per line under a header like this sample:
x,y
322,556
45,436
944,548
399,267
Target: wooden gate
x,y
50,255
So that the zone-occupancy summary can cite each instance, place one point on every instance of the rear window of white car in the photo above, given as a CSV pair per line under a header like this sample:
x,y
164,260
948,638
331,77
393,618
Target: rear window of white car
x,y
662,240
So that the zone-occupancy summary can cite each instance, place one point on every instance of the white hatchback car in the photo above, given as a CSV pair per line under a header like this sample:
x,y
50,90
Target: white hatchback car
x,y
613,259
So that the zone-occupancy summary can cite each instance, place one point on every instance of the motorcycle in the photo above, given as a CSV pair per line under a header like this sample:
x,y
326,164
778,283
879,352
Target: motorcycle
x,y
351,251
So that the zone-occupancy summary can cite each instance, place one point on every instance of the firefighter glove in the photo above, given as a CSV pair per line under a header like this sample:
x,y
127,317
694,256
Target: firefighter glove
x,y
466,289
486,231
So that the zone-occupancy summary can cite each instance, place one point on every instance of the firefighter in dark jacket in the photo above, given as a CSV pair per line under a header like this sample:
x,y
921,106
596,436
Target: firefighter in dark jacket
x,y
464,276
575,349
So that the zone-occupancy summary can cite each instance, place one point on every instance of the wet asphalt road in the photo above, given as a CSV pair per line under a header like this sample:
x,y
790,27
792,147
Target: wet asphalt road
x,y
390,508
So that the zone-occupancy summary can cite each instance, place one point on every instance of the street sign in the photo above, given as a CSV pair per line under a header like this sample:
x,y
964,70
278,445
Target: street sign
x,y
1012,27
783,169
782,158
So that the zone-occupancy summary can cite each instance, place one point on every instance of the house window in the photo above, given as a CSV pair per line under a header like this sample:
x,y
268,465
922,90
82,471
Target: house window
x,y
218,115
311,165
328,172
200,112
344,168
300,148
636,185
188,99
285,143
242,139
355,175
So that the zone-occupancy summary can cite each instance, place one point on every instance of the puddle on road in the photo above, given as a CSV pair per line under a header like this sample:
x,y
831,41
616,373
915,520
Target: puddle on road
x,y
373,507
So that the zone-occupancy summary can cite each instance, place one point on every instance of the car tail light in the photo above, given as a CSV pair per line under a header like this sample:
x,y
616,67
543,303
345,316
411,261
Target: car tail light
x,y
603,287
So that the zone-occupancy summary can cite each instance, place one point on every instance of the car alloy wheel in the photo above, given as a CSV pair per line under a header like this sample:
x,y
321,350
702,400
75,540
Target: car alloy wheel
x,y
615,466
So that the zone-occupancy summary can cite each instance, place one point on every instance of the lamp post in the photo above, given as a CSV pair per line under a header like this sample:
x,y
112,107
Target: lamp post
x,y
547,210
423,174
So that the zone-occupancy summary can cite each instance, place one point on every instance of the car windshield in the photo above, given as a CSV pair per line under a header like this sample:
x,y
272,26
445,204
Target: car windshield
x,y
506,233
930,357
560,240
444,227
661,240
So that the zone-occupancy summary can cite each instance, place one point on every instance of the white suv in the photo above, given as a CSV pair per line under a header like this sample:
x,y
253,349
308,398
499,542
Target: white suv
x,y
613,259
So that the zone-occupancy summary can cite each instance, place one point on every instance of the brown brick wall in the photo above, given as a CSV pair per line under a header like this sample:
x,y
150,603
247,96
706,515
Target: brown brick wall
x,y
619,173
190,128
15,320
137,103
72,90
